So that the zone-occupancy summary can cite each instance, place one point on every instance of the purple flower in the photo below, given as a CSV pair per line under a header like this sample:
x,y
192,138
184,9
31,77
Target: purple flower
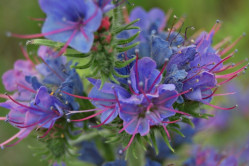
x,y
71,22
14,80
43,111
150,103
209,156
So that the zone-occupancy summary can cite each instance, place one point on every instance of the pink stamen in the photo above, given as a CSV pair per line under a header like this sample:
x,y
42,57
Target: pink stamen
x,y
47,132
83,111
218,107
105,119
37,19
25,87
61,78
223,82
67,43
178,120
159,75
179,23
133,136
220,44
125,15
225,94
26,55
230,66
12,138
84,34
42,34
33,124
166,131
173,110
231,46
2,118
3,96
223,60
89,98
210,94
14,143
25,106
231,74
166,19
179,94
172,28
91,17
91,116
131,89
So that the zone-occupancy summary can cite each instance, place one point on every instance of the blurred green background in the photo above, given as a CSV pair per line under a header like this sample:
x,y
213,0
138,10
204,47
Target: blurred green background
x,y
14,17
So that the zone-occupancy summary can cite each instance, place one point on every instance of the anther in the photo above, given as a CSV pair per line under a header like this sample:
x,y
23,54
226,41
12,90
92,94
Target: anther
x,y
192,28
140,83
236,50
66,102
244,34
51,107
136,50
217,21
129,82
68,120
8,34
120,151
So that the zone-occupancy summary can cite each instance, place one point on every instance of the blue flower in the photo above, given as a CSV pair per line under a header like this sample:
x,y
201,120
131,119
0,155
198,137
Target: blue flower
x,y
71,22
89,153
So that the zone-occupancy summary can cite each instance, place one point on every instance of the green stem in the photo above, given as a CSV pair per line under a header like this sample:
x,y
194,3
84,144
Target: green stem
x,y
90,135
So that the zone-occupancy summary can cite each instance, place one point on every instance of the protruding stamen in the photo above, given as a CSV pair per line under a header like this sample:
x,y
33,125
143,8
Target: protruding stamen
x,y
105,119
223,60
179,23
26,55
171,97
27,88
232,74
224,51
125,14
89,98
3,118
89,117
124,127
159,75
218,107
172,27
133,136
67,43
12,138
166,19
53,71
220,44
41,34
173,110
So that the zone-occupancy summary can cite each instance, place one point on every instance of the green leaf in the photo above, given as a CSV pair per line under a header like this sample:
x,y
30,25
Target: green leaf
x,y
126,41
119,75
177,131
77,55
123,49
120,29
120,64
152,136
188,121
87,65
164,135
133,27
45,42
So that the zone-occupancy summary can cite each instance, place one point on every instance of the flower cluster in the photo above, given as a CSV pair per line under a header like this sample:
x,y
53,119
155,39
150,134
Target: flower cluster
x,y
147,76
